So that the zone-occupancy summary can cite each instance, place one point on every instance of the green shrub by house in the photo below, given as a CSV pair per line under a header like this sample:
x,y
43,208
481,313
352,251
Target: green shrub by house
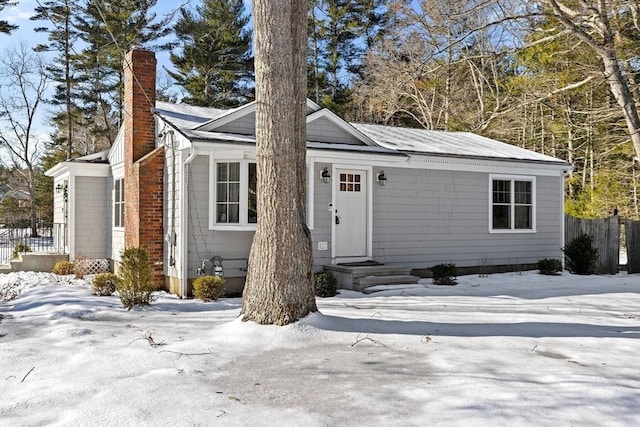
x,y
444,274
549,266
208,288
325,284
136,279
104,284
580,255
63,268
20,248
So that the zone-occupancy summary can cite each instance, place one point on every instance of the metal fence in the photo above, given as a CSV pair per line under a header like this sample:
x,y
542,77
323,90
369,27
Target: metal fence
x,y
21,240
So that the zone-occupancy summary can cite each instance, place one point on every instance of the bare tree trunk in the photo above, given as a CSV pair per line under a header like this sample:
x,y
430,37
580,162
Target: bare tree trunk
x,y
279,288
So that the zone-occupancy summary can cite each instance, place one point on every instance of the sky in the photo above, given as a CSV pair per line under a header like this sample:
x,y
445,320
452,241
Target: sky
x,y
513,349
20,14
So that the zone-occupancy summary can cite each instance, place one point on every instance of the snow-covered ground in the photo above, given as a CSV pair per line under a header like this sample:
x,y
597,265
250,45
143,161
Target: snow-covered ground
x,y
505,350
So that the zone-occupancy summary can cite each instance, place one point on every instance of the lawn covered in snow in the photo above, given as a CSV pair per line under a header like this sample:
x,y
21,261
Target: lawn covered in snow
x,y
504,350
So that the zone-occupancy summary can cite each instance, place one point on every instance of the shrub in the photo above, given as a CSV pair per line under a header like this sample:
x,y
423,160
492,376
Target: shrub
x,y
136,279
104,284
444,274
580,255
63,268
20,248
208,288
325,284
549,266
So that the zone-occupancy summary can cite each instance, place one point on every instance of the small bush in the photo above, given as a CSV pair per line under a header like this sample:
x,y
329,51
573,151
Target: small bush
x,y
208,288
20,248
105,284
63,268
580,255
549,266
325,284
444,274
136,279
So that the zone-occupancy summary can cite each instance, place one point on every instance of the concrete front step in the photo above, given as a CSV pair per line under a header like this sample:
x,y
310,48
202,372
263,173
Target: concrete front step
x,y
43,262
362,283
358,278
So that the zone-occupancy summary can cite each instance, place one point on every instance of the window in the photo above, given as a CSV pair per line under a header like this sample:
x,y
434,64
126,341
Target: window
x,y
512,204
350,182
235,194
118,203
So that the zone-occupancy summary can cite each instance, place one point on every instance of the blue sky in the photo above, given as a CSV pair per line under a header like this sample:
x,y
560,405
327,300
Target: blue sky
x,y
20,14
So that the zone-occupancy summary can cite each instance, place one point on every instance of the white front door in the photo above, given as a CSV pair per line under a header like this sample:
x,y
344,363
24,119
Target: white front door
x,y
350,213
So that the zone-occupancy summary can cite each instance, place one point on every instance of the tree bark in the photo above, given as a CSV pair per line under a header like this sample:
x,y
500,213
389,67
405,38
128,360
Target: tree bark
x,y
279,288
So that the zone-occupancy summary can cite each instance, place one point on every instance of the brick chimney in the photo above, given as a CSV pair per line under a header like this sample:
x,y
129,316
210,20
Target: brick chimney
x,y
143,162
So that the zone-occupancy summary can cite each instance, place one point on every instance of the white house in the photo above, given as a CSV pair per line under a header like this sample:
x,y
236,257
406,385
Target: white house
x,y
180,180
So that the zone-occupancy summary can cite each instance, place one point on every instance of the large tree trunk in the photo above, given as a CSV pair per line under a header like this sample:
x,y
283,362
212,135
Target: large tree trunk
x,y
279,288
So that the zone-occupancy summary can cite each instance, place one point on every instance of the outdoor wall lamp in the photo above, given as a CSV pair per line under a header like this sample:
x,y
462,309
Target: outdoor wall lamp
x,y
325,175
60,188
382,179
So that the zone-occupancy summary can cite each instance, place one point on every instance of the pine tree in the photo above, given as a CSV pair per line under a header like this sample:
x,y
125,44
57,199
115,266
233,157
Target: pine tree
x,y
214,63
58,16
109,28
340,33
279,288
5,27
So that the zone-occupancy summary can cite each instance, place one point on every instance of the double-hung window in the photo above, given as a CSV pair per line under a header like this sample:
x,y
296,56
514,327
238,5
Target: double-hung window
x,y
118,203
234,195
512,203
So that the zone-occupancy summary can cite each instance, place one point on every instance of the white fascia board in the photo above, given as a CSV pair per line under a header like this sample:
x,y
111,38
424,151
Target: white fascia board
x,y
345,126
79,169
487,165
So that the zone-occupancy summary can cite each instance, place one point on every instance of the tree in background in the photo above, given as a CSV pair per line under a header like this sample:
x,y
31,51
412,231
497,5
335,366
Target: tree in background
x,y
21,95
279,286
58,15
5,27
214,64
109,28
611,31
340,33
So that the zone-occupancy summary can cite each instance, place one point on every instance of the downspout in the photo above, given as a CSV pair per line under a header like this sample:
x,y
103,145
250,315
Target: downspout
x,y
563,176
184,220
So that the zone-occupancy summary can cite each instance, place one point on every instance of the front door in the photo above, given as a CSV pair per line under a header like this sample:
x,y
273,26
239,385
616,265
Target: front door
x,y
350,214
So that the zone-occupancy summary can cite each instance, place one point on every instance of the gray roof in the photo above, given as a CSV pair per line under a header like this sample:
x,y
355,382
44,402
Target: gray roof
x,y
458,144
390,140
188,116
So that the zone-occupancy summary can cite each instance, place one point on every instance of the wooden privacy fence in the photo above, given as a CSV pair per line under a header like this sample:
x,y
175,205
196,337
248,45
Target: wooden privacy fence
x,y
605,233
632,238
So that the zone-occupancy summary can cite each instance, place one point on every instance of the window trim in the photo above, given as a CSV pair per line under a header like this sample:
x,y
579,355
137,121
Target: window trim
x,y
243,224
120,202
512,203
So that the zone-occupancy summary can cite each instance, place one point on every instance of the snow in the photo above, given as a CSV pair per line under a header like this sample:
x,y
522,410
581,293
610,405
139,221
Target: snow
x,y
504,350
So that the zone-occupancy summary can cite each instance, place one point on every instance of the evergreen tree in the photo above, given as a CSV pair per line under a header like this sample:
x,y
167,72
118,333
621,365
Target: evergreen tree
x,y
5,27
109,28
58,15
340,33
214,63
